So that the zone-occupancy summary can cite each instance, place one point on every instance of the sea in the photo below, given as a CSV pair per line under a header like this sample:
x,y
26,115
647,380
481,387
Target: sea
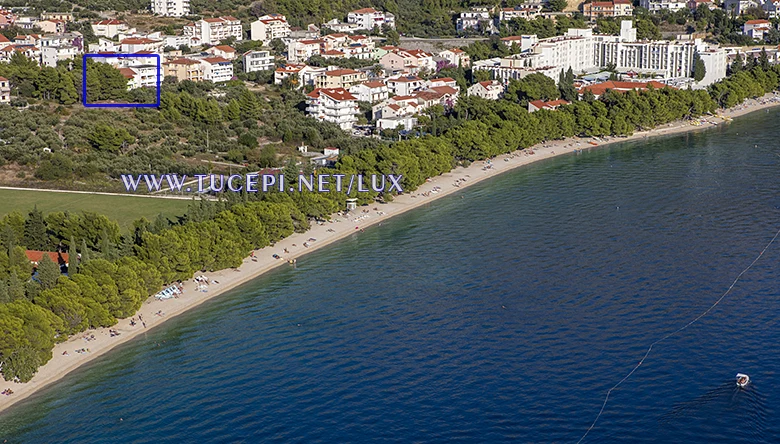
x,y
501,314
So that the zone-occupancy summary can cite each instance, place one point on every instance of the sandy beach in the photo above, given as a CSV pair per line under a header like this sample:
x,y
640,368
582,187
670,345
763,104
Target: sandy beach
x,y
154,312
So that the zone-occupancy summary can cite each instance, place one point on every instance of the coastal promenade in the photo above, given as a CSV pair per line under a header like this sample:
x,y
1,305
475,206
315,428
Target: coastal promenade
x,y
155,312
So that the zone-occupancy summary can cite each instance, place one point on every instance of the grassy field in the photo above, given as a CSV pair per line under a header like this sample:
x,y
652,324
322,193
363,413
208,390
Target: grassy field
x,y
123,209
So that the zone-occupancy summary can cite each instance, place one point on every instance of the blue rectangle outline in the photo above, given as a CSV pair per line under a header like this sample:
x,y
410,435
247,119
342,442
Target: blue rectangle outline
x,y
117,105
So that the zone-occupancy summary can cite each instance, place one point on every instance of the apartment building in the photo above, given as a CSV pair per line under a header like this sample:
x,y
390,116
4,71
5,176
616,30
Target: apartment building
x,y
212,31
372,92
340,78
109,28
217,69
224,51
269,27
133,45
369,18
660,5
184,69
334,105
616,8
258,61
489,90
301,50
456,57
51,55
171,8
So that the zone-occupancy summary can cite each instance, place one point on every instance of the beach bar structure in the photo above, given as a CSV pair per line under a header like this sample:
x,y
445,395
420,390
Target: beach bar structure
x,y
351,204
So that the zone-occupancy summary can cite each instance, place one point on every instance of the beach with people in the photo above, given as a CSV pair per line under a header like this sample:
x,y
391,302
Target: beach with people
x,y
183,296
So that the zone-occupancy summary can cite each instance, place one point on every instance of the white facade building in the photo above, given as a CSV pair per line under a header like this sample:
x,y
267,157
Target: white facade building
x,y
269,27
50,55
489,89
371,92
660,5
335,105
369,18
217,69
109,28
258,61
171,8
212,31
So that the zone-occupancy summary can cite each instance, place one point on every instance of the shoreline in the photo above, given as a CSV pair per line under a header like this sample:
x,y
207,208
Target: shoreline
x,y
325,234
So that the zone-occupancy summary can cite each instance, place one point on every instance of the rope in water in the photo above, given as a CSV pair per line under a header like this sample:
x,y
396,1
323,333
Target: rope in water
x,y
668,335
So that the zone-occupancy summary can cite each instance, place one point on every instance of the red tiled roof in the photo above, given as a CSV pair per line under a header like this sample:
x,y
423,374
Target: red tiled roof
x,y
443,79
341,72
407,79
338,94
127,72
374,84
757,22
137,41
444,90
214,20
36,256
225,48
183,61
486,84
333,52
216,60
3,79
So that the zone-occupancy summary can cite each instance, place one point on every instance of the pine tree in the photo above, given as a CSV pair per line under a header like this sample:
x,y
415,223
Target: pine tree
x,y
73,261
4,298
232,111
48,272
85,255
15,287
160,224
699,70
66,91
35,231
250,106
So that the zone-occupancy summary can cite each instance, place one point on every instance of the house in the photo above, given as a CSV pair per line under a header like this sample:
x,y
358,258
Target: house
x,y
224,51
552,105
140,76
340,78
443,81
301,50
32,52
405,85
476,20
756,29
5,90
412,61
456,57
289,70
212,31
109,28
184,69
269,27
334,105
337,26
52,26
489,89
258,61
217,69
599,89
171,8
369,18
616,8
58,258
519,12
694,4
738,7
134,45
51,55
393,114
64,16
663,5
372,92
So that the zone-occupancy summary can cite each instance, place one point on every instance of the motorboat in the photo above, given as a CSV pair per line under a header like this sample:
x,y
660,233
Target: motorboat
x,y
742,380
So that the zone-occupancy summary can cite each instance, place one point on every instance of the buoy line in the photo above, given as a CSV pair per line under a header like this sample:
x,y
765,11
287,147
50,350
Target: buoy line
x,y
668,335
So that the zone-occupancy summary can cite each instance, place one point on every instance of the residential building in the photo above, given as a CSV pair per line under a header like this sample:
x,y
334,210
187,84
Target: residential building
x,y
616,8
527,13
666,58
109,28
51,55
64,16
258,61
694,4
369,18
489,89
184,69
217,69
408,61
756,29
334,105
372,92
224,51
171,8
337,26
738,7
552,105
52,26
32,52
772,8
269,27
524,42
340,78
5,90
301,50
715,64
456,57
443,81
599,89
660,5
35,257
212,31
289,70
404,85
140,76
134,45
474,20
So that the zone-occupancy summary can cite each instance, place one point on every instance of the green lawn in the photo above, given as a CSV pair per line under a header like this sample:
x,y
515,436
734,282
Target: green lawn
x,y
123,209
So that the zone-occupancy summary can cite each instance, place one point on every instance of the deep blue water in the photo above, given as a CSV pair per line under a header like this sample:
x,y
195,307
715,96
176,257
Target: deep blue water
x,y
502,316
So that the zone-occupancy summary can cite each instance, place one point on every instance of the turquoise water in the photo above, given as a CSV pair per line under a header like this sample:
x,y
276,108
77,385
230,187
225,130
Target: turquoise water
x,y
501,316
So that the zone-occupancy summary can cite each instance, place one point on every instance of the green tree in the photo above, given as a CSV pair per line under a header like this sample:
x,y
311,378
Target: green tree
x,y
107,138
35,231
699,70
48,272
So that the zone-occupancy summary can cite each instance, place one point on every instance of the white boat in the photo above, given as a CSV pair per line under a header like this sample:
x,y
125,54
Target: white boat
x,y
742,380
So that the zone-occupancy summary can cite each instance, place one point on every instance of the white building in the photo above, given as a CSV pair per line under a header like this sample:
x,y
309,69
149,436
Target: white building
x,y
212,31
405,85
335,105
715,65
50,55
171,8
456,57
489,89
217,69
738,7
258,61
301,50
224,51
527,13
269,27
756,29
109,28
140,76
5,90
476,20
660,5
369,18
372,92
